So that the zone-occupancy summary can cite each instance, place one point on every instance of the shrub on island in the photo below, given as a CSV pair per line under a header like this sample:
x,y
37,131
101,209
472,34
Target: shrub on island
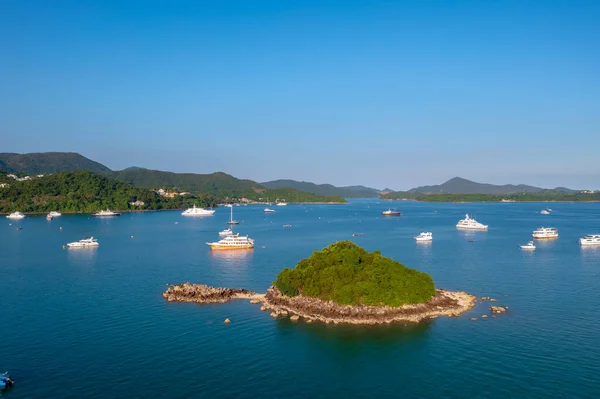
x,y
348,275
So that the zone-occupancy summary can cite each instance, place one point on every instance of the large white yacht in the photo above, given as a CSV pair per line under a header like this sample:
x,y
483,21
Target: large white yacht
x,y
425,236
86,242
233,242
54,214
106,213
589,240
197,211
15,215
545,232
469,223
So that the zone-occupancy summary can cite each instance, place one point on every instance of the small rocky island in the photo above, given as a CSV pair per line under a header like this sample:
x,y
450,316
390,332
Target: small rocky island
x,y
342,283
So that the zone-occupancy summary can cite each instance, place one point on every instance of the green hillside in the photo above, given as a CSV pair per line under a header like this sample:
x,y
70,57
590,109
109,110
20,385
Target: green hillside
x,y
47,162
347,274
324,189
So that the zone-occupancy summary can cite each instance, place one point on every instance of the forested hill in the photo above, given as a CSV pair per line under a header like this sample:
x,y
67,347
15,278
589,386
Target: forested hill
x,y
325,189
47,162
458,185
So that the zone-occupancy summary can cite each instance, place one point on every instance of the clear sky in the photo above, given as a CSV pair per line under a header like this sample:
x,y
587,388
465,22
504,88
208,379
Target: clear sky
x,y
381,93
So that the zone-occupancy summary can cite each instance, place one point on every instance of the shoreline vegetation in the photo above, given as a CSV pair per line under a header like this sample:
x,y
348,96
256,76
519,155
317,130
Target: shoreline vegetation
x,y
547,196
443,303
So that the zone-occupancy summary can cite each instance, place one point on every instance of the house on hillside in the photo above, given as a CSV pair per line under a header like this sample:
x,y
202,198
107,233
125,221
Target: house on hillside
x,y
4,185
137,203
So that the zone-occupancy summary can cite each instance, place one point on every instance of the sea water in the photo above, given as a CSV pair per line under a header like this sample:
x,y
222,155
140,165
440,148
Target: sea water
x,y
91,323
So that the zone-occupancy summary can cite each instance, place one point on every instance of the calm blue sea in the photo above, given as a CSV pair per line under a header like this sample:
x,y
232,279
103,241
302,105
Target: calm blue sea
x,y
91,323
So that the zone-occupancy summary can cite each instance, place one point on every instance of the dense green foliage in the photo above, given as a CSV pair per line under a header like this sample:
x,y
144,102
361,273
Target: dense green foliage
x,y
547,195
47,162
458,185
347,274
325,189
83,191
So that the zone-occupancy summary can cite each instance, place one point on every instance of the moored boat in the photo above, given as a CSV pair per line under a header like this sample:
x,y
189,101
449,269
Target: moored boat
x,y
193,211
545,212
545,232
390,212
424,236
225,233
106,213
281,203
86,242
469,223
232,242
15,215
55,214
231,221
268,210
590,240
529,245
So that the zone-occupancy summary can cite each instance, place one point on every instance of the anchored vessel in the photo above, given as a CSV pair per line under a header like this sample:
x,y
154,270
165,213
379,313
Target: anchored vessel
x,y
267,210
281,203
469,223
225,233
197,211
390,212
425,236
545,212
16,215
231,221
232,242
545,232
54,214
106,213
86,242
589,240
529,245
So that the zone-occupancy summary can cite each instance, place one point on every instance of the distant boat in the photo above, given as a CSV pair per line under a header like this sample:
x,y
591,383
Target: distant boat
x,y
545,232
424,236
469,223
390,212
106,213
55,214
590,240
281,203
267,210
197,211
231,221
86,242
225,233
529,245
48,217
232,242
287,225
16,216
545,212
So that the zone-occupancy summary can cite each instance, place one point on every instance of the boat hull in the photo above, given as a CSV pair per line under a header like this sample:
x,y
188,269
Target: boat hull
x,y
227,247
544,237
106,216
483,228
589,244
419,239
392,214
76,245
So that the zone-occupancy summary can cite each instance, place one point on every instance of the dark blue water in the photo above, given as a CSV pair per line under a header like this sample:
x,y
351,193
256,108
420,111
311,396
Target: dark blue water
x,y
92,322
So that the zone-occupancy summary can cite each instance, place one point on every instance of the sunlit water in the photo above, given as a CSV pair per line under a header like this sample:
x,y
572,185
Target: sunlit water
x,y
89,323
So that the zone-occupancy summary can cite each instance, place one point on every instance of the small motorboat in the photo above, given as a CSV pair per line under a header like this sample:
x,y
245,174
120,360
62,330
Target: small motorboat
x,y
529,245
48,217
287,226
390,212
5,381
267,210
545,212
86,242
424,236
225,233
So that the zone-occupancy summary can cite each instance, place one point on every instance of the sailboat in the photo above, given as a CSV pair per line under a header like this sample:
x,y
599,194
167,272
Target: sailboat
x,y
231,221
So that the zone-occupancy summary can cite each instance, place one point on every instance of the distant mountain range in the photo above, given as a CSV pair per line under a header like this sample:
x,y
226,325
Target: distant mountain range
x,y
459,185
325,189
48,162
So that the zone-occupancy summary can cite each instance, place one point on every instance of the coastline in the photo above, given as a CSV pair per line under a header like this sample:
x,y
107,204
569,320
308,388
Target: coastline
x,y
444,303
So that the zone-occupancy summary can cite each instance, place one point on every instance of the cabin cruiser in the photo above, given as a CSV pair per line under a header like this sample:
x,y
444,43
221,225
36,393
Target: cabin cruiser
x,y
55,214
529,245
232,242
225,233
469,223
545,212
545,232
15,215
48,217
86,242
593,239
106,213
424,236
281,203
197,211
5,381
390,212
267,210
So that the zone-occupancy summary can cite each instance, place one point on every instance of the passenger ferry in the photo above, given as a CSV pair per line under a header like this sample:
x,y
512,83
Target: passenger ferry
x,y
232,242
469,223
86,242
425,236
106,213
390,212
529,245
545,232
15,215
589,240
197,211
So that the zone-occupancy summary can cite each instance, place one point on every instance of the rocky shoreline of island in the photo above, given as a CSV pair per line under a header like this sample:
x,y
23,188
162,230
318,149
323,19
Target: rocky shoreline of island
x,y
443,303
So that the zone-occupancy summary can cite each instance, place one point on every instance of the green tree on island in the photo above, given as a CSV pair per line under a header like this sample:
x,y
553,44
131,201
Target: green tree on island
x,y
348,275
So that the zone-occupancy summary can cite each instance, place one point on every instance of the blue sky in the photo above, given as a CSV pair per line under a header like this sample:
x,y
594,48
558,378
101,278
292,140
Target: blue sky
x,y
381,93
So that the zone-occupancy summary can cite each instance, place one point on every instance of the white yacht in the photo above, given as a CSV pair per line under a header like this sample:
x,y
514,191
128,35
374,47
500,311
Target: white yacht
x,y
281,203
267,210
16,215
86,242
529,245
545,232
425,236
197,211
545,212
232,242
589,240
225,233
55,214
106,213
48,217
470,224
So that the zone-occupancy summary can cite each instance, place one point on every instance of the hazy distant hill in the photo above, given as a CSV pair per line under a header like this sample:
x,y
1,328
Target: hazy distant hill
x,y
48,162
324,189
459,185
